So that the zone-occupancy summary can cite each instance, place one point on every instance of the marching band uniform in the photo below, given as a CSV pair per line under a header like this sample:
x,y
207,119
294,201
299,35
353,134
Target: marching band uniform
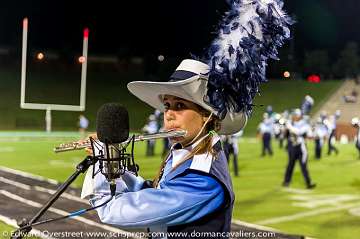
x,y
151,127
320,134
231,147
357,144
297,151
266,129
280,129
183,201
83,124
307,105
356,123
331,124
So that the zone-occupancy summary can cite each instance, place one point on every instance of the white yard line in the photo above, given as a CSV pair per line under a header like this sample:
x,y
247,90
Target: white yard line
x,y
251,225
7,149
62,163
61,212
306,214
28,175
64,195
315,201
296,190
41,189
16,184
355,211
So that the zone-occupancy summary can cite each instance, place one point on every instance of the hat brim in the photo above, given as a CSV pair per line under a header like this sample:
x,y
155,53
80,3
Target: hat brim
x,y
151,93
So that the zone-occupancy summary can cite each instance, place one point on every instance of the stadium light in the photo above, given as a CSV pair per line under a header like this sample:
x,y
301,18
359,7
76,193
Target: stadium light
x,y
40,56
286,74
81,59
161,58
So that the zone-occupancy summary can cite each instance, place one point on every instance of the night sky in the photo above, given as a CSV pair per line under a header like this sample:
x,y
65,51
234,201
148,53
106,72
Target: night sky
x,y
163,27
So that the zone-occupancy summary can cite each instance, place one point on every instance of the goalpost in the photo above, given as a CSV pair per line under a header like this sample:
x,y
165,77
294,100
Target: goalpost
x,y
50,107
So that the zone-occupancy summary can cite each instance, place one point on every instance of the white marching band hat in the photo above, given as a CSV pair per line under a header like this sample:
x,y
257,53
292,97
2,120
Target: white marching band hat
x,y
188,82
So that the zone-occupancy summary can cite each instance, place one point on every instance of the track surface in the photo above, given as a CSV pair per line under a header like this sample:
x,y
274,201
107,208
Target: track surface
x,y
22,195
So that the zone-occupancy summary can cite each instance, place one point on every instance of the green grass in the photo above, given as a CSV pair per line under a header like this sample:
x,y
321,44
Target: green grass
x,y
259,195
52,86
102,87
5,231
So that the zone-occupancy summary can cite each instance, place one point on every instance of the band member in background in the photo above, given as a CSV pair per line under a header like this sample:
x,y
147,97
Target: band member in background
x,y
297,131
151,128
266,129
320,135
330,122
231,149
307,105
279,128
165,142
323,115
356,123
270,111
83,124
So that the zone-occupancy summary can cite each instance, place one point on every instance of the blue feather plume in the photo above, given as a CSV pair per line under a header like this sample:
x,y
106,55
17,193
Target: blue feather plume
x,y
249,34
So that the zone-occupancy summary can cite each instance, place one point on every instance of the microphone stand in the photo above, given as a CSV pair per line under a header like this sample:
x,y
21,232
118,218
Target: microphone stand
x,y
26,226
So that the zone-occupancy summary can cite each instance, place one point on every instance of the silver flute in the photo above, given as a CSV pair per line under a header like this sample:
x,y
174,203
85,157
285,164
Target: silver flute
x,y
87,143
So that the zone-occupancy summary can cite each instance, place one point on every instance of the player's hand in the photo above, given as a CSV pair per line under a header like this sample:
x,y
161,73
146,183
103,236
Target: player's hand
x,y
88,150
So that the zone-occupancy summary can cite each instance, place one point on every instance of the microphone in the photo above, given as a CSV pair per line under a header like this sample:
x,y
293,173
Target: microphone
x,y
112,127
112,123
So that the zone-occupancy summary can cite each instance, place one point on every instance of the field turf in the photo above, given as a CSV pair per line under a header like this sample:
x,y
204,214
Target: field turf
x,y
331,210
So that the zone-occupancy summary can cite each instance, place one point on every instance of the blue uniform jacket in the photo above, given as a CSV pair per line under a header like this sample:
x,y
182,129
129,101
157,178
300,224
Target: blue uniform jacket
x,y
184,195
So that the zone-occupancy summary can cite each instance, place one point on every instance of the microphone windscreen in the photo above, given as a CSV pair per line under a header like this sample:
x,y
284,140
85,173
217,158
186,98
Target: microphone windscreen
x,y
112,123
